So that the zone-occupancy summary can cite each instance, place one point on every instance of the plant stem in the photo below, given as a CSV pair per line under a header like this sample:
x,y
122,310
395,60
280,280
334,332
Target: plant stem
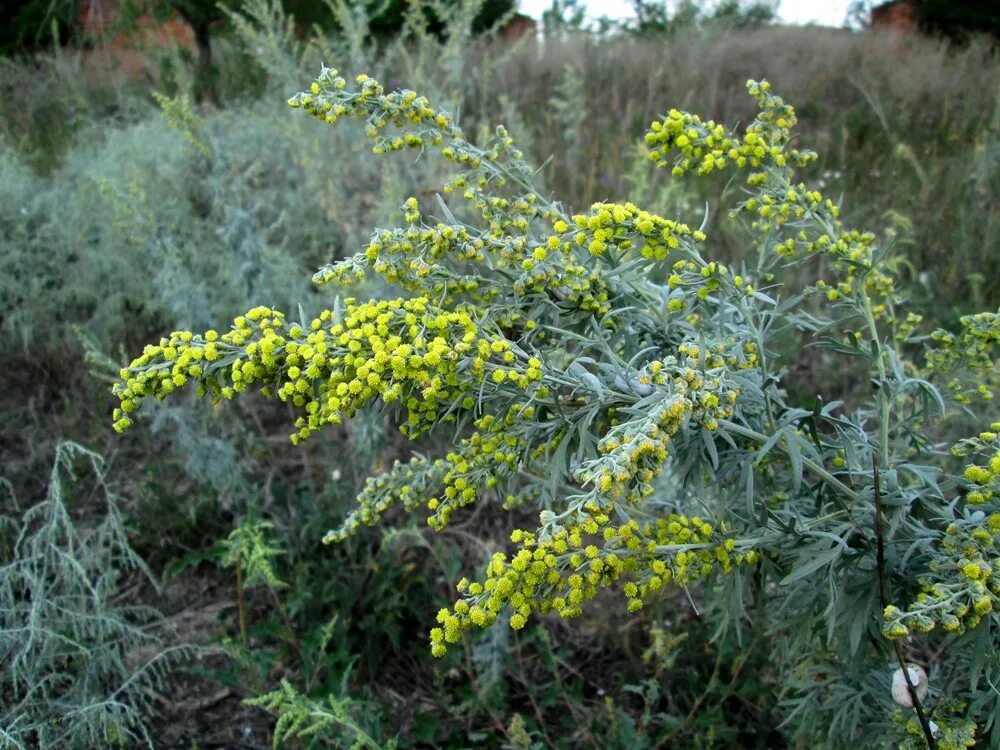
x,y
884,597
883,397
879,536
912,690
241,604
296,644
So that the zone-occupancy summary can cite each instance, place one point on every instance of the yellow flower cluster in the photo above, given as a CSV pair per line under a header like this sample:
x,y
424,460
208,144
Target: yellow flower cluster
x,y
984,478
705,146
425,260
704,279
560,572
572,285
488,304
618,228
328,99
964,581
489,169
962,586
708,146
778,202
729,354
952,729
561,565
215,362
820,231
774,208
633,453
492,453
853,253
904,328
411,258
406,351
973,348
482,461
409,483
775,201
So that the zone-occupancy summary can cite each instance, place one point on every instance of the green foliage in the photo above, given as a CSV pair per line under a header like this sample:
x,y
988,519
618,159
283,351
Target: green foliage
x,y
660,17
299,717
73,674
77,245
599,367
385,17
26,25
248,549
249,199
392,16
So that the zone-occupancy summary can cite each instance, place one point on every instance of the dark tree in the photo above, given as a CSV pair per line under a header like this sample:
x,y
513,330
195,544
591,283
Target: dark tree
x,y
959,19
203,18
27,25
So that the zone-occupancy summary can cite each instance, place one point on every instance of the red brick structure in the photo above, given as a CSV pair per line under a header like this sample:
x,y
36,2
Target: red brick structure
x,y
95,17
126,49
897,15
518,27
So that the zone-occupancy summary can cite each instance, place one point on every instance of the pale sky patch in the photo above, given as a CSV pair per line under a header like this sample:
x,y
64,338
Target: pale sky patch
x,y
820,12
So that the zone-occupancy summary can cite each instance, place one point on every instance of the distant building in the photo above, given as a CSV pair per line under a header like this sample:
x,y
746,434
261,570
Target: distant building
x,y
897,15
128,49
518,27
95,16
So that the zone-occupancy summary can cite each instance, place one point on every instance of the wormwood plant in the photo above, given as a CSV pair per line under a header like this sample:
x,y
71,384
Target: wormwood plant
x,y
70,671
604,369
